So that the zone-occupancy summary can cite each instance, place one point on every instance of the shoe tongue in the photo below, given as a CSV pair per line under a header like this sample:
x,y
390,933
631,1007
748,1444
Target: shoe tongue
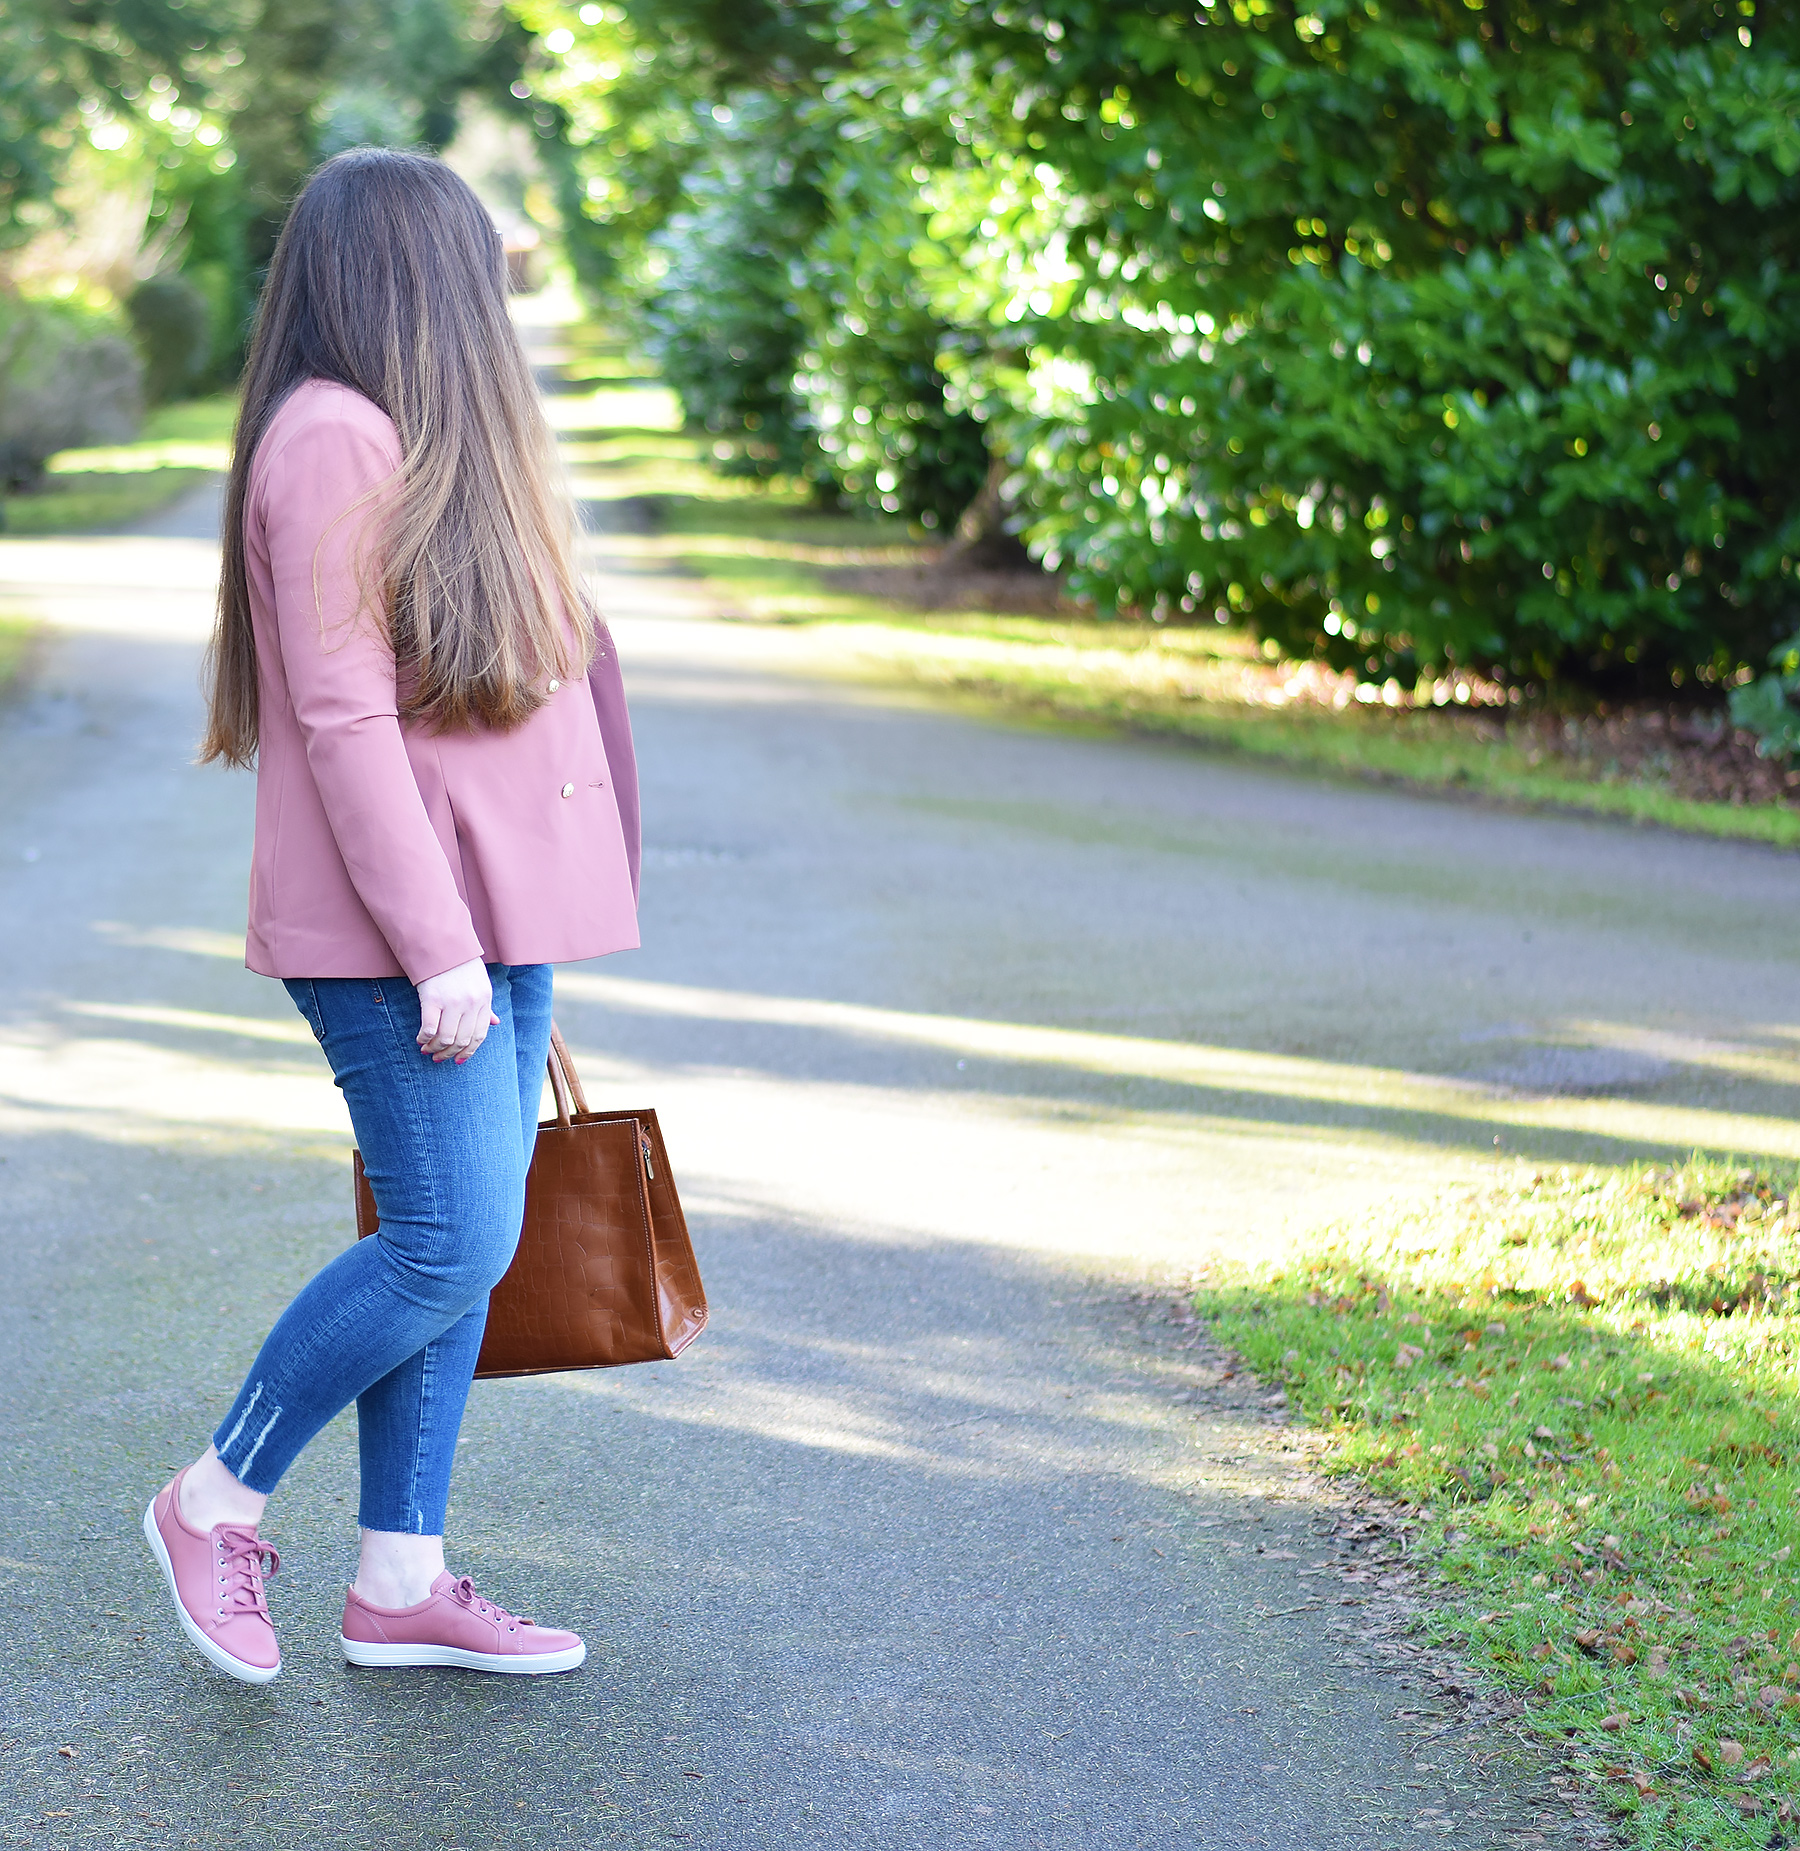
x,y
444,1583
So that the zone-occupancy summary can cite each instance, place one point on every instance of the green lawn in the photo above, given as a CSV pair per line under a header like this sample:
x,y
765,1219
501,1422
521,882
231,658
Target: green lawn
x,y
87,491
1588,1385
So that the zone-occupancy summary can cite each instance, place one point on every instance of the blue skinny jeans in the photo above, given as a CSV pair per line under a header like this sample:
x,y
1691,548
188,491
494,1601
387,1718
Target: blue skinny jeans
x,y
394,1323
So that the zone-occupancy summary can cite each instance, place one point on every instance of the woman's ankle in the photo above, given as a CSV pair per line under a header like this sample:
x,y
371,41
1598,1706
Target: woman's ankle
x,y
397,1568
210,1496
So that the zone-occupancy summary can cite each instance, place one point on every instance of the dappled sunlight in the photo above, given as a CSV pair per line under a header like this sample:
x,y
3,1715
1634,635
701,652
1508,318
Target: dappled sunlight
x,y
614,408
141,1083
1002,1410
129,562
1211,1069
681,546
1123,1149
1743,1059
782,1413
195,940
250,1028
151,587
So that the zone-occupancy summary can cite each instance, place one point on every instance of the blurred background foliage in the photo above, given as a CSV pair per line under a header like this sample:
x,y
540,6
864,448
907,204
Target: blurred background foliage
x,y
1410,335
148,153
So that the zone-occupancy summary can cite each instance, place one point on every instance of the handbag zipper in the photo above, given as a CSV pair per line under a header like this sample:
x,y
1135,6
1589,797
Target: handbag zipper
x,y
644,1147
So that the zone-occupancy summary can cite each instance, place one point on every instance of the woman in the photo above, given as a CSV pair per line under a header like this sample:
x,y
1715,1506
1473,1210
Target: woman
x,y
446,805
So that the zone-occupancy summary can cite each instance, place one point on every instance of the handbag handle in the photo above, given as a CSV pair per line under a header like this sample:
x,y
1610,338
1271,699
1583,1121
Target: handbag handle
x,y
565,1082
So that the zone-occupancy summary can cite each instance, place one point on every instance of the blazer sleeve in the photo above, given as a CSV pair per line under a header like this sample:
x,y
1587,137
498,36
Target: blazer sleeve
x,y
608,686
323,499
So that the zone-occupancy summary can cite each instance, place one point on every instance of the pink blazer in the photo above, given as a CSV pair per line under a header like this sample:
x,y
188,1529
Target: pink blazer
x,y
382,847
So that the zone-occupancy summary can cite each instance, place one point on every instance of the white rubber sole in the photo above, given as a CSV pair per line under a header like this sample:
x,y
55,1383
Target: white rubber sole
x,y
535,1664
208,1649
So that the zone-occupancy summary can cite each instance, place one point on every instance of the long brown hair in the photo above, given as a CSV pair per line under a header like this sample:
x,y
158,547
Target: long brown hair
x,y
390,279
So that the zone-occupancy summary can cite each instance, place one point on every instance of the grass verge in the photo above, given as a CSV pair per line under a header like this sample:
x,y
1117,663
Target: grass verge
x,y
1588,1385
774,557
89,490
777,561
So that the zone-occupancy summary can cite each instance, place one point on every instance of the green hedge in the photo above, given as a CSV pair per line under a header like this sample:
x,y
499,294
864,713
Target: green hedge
x,y
1410,332
69,376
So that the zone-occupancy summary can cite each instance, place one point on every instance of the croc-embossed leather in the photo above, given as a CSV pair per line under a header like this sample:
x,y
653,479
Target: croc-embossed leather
x,y
605,1272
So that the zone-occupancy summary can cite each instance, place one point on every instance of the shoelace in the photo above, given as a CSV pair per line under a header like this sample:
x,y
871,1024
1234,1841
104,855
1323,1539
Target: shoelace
x,y
464,1591
240,1570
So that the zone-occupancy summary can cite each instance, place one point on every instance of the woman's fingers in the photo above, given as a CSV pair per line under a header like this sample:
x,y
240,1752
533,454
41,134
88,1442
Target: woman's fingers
x,y
456,1009
459,1035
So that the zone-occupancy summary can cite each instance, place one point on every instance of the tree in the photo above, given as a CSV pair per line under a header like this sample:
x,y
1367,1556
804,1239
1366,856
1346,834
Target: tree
x,y
739,201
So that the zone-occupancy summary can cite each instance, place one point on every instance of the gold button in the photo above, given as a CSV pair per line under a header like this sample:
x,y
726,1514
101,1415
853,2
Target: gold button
x,y
554,686
568,790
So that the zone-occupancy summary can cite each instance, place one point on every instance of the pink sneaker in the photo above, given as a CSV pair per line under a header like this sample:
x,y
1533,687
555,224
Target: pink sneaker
x,y
216,1579
453,1625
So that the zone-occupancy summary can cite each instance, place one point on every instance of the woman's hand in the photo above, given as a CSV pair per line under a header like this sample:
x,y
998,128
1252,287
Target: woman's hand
x,y
456,1010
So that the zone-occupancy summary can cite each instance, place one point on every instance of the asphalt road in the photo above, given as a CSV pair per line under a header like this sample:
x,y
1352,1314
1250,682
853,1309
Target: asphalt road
x,y
958,1032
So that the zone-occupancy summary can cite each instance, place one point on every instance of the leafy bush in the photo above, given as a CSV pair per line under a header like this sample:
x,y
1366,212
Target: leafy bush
x,y
172,320
722,322
68,376
1410,332
1767,706
870,377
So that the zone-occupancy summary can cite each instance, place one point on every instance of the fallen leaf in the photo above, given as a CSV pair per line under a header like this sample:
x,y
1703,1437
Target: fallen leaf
x,y
1542,1433
1657,1664
1587,1640
1748,1804
1703,1759
1625,1654
68,1754
1407,1354
1730,1752
1541,1652
1616,1721
1770,1695
1564,1361
1755,1770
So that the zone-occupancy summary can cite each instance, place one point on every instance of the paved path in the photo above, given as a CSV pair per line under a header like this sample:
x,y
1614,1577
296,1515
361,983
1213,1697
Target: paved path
x,y
956,1031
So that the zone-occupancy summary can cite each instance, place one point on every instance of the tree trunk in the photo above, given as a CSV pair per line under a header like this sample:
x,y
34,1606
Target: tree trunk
x,y
981,542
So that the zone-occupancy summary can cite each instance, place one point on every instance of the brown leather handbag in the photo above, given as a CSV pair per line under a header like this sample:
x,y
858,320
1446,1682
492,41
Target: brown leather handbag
x,y
605,1273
